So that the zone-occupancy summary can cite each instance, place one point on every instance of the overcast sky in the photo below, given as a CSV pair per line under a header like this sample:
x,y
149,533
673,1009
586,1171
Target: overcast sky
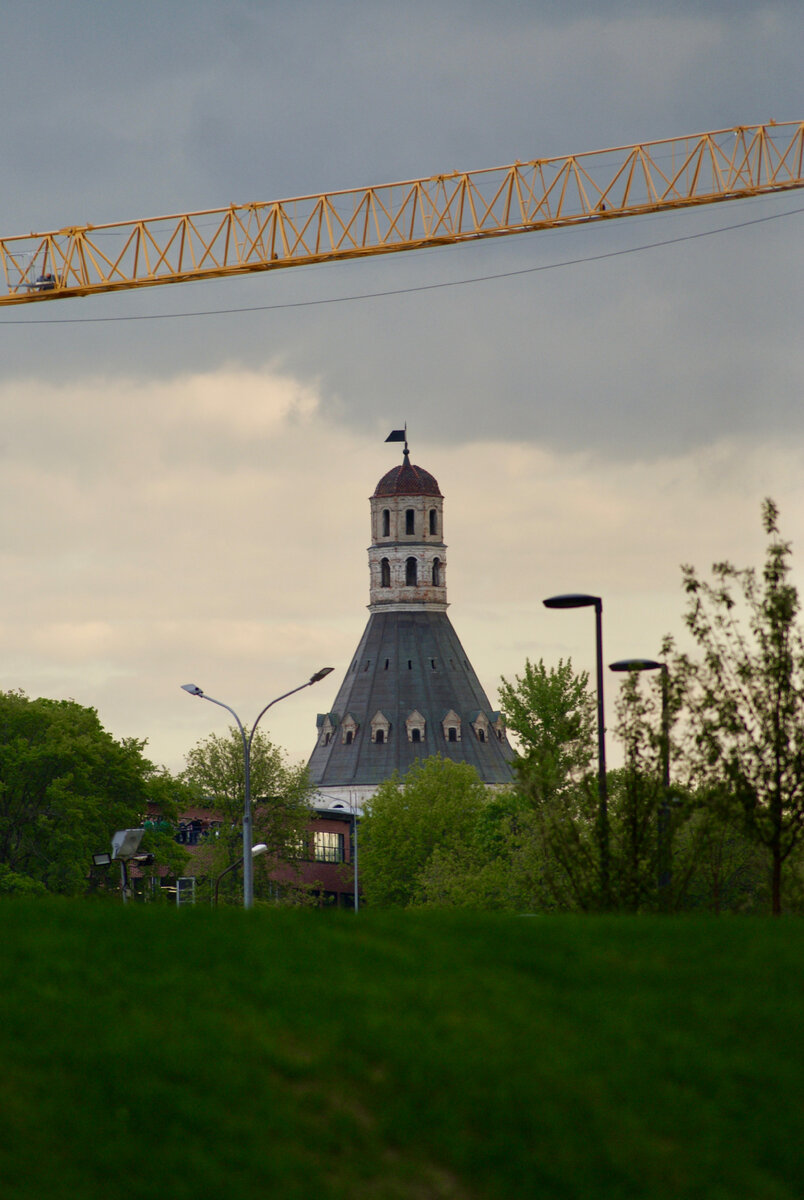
x,y
185,496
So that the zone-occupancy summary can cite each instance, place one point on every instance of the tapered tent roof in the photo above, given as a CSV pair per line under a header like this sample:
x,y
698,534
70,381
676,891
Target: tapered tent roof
x,y
410,691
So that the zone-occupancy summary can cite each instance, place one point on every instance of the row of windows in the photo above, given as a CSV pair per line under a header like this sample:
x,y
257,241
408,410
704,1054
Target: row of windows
x,y
382,735
410,521
411,573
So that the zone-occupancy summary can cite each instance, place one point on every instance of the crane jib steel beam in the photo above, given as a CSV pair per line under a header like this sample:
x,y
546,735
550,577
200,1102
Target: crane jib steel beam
x,y
728,164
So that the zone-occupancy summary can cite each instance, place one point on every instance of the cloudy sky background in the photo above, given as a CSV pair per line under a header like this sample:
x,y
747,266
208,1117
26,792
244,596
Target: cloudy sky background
x,y
186,470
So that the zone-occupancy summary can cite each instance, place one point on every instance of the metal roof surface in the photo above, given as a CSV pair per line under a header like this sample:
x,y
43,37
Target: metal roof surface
x,y
408,661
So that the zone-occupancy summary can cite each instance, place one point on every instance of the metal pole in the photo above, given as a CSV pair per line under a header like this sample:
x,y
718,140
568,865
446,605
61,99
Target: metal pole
x,y
354,856
602,790
665,867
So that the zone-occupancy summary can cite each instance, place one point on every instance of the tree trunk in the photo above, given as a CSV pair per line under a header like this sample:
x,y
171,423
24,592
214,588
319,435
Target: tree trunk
x,y
776,882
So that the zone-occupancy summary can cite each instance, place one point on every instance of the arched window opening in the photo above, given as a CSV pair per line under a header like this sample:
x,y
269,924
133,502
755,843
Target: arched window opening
x,y
386,522
385,573
436,572
387,663
415,735
411,573
452,734
379,736
327,738
409,521
349,738
433,521
481,735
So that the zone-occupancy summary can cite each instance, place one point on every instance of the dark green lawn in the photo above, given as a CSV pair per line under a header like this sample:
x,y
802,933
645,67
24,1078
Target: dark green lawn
x,y
294,1054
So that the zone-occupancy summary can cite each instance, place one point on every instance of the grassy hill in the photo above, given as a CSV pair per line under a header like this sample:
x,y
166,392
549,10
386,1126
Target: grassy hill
x,y
298,1054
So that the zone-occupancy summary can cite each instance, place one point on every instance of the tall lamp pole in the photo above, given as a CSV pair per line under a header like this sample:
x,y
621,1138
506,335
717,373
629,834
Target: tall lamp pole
x,y
248,864
663,839
581,600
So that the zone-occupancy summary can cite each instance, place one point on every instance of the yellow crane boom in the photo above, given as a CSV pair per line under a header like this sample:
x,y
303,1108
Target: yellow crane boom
x,y
728,164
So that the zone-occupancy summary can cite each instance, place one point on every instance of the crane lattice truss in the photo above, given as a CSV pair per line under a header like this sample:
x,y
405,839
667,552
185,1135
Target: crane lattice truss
x,y
727,164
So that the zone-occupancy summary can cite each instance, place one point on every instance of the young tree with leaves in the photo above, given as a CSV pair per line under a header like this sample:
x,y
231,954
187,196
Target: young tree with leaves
x,y
215,772
552,713
746,695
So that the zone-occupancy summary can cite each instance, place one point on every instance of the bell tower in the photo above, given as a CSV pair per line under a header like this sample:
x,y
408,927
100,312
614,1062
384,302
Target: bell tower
x,y
407,556
410,690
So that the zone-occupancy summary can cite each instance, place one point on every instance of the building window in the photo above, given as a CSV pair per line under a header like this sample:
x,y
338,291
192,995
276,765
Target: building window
x,y
452,734
348,737
386,523
433,521
415,735
385,573
328,847
436,572
409,515
411,573
379,736
481,735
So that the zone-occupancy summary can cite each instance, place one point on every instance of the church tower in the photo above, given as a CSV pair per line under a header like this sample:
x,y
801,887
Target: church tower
x,y
410,690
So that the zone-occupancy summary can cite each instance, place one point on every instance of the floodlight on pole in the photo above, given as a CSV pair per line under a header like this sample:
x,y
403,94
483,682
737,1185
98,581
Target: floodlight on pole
x,y
247,739
583,600
665,865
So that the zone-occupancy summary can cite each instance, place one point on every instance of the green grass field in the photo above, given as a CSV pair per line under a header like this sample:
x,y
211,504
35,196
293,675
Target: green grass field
x,y
300,1054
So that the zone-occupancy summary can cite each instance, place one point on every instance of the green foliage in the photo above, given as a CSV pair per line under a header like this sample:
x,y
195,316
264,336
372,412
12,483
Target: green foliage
x,y
552,713
397,1055
745,696
418,831
65,786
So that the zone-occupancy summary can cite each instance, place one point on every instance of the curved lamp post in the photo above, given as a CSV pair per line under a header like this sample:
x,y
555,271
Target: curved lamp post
x,y
581,600
665,866
248,865
260,848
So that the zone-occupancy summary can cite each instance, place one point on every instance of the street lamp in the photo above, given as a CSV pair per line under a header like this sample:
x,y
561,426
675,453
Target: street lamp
x,y
665,867
260,848
195,690
581,600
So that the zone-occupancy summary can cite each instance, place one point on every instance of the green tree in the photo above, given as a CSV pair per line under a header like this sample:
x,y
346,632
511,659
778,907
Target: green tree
x,y
215,773
65,786
553,715
746,695
418,830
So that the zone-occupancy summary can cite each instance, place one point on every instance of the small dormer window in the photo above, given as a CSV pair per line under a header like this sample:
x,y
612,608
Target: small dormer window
x,y
380,728
415,725
349,727
386,522
451,725
409,518
481,727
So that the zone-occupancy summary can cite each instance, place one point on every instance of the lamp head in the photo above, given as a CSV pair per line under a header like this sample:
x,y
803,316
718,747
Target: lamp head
x,y
260,848
321,674
637,664
572,600
192,688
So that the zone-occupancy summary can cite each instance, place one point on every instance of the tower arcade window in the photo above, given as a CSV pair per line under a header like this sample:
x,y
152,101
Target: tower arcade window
x,y
433,521
386,522
409,516
436,572
411,576
385,573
